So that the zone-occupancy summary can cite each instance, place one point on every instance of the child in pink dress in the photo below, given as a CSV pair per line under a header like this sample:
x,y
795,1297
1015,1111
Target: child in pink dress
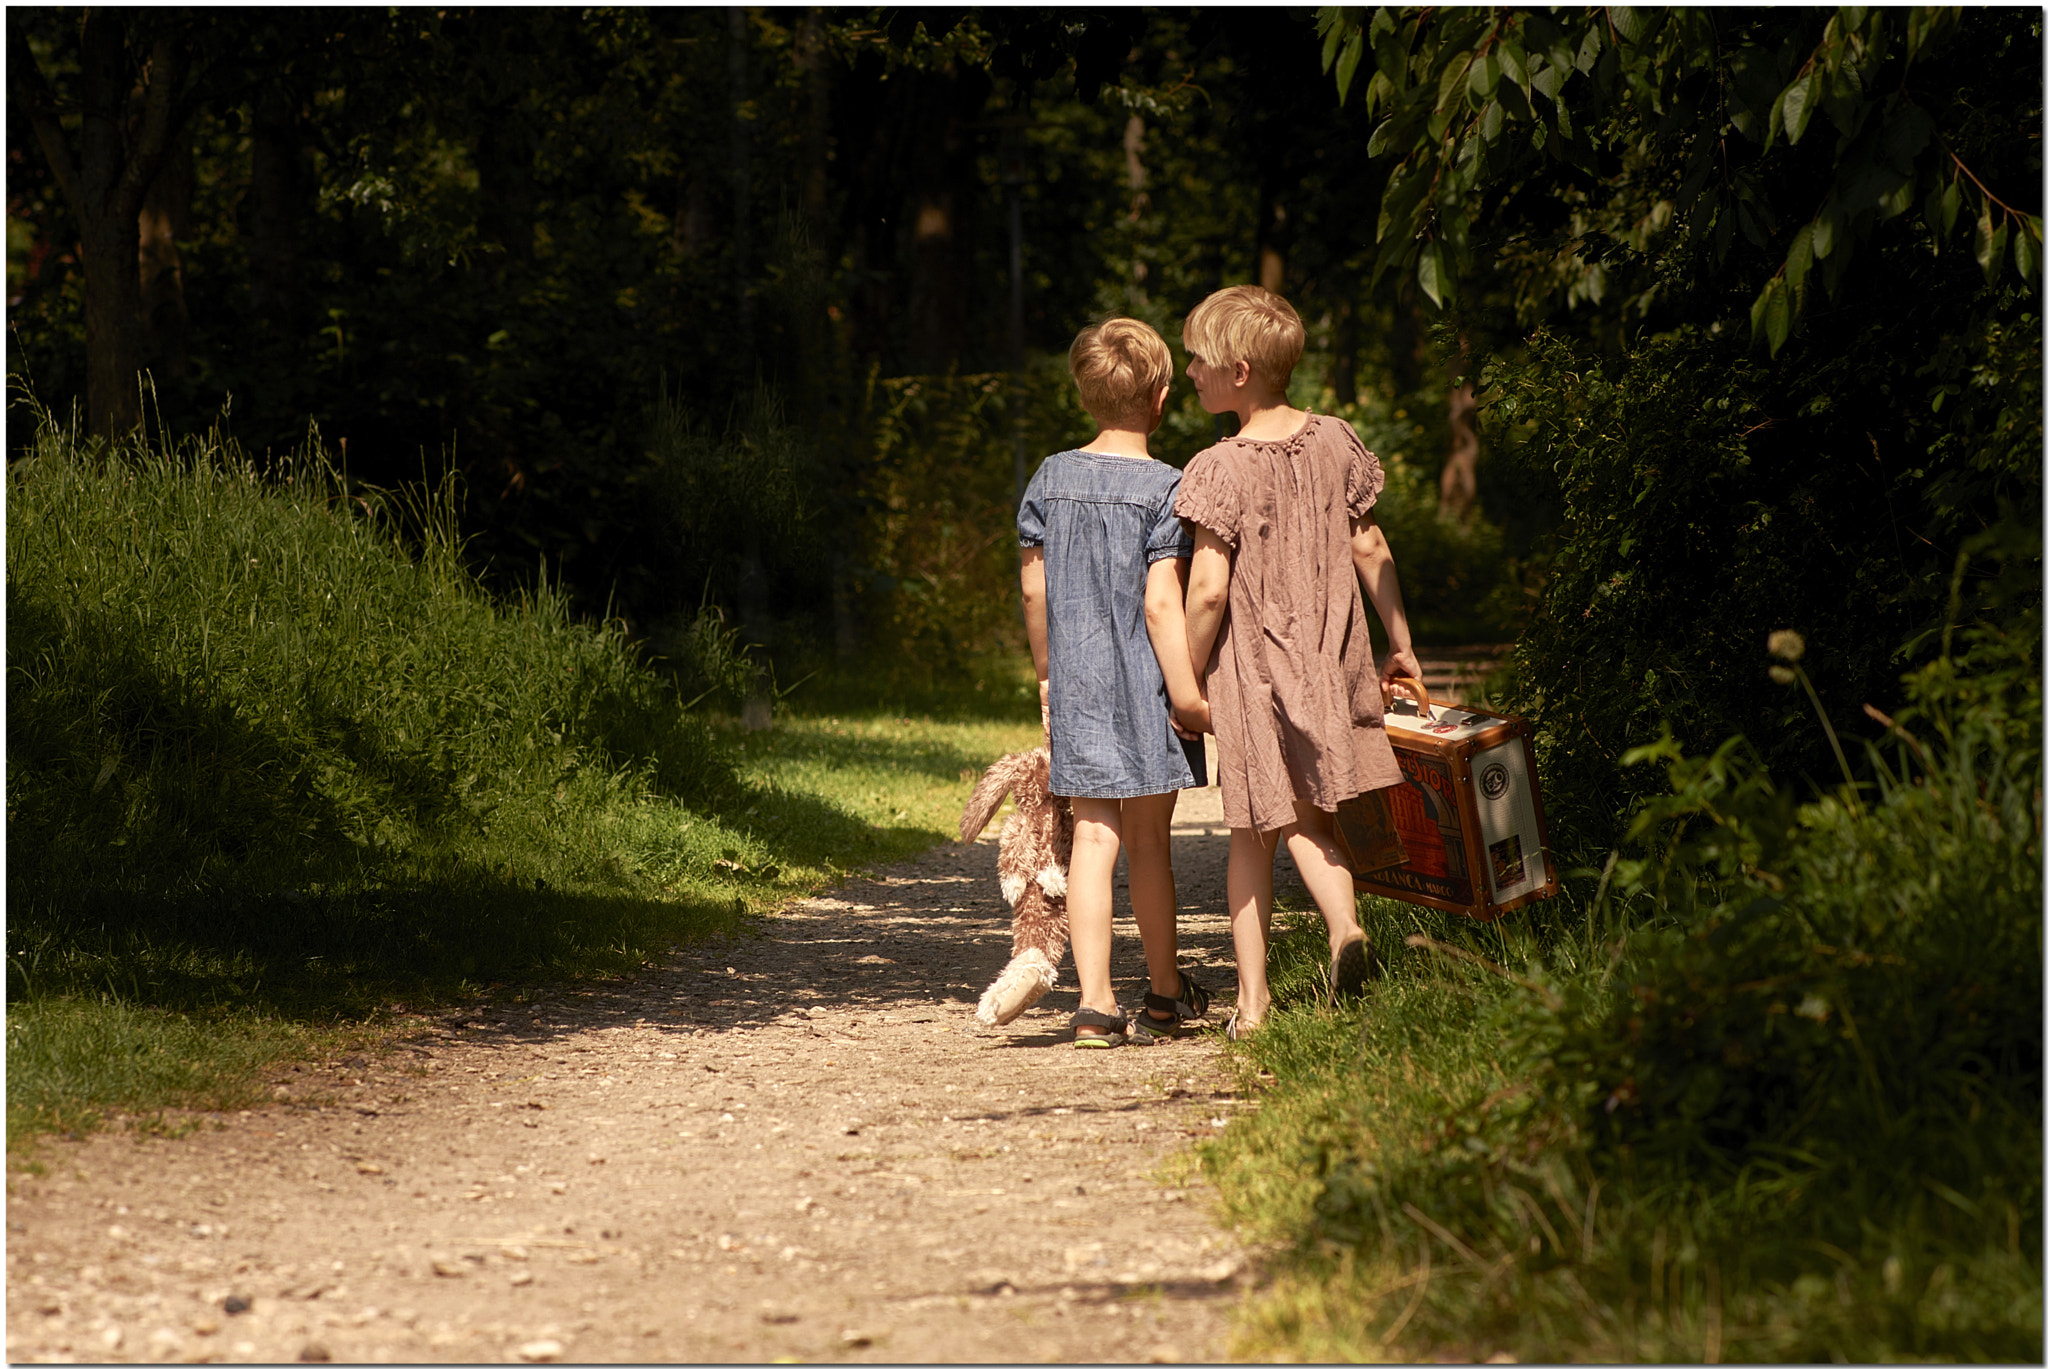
x,y
1284,532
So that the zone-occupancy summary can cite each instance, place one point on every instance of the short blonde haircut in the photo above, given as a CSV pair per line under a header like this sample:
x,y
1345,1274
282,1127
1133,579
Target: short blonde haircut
x,y
1250,324
1119,365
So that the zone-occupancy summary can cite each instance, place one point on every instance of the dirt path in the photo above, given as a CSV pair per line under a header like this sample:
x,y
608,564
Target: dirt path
x,y
791,1144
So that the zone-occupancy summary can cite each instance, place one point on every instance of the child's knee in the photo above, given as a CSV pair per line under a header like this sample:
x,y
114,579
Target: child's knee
x,y
1149,841
1095,839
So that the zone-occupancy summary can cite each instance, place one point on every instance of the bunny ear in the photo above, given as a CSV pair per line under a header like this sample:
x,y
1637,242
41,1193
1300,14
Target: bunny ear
x,y
988,795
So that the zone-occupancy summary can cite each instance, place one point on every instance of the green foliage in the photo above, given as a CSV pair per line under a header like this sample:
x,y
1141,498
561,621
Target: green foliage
x,y
940,535
1633,109
1453,571
1780,1099
248,729
275,761
1707,499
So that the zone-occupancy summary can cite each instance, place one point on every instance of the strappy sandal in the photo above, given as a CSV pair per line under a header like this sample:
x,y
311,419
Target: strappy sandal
x,y
1147,1030
1110,1029
1191,1003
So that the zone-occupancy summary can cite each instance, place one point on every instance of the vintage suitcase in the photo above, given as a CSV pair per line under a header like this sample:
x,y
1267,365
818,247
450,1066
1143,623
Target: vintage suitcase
x,y
1470,817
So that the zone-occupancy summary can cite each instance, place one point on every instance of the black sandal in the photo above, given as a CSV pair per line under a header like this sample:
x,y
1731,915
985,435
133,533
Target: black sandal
x,y
1112,1029
1192,1003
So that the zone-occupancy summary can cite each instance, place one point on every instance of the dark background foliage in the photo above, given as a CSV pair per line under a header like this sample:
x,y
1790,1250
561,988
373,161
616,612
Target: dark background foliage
x,y
654,282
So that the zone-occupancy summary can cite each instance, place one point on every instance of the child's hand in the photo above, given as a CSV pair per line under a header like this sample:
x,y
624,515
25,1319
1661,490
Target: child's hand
x,y
1190,723
1401,662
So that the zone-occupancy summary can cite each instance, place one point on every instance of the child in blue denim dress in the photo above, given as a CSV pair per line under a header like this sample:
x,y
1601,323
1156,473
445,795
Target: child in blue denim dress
x,y
1105,569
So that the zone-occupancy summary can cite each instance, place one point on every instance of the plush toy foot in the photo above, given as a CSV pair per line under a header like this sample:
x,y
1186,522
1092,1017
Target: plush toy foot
x,y
1023,982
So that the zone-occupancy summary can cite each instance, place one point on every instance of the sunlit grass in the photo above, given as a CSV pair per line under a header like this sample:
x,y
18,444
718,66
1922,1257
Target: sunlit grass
x,y
1782,1108
275,764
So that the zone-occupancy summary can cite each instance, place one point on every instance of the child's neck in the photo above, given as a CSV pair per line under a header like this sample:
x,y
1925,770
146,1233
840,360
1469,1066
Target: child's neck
x,y
1264,415
1119,442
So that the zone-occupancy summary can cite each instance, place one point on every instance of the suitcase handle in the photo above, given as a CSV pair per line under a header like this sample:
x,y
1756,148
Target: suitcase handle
x,y
1413,686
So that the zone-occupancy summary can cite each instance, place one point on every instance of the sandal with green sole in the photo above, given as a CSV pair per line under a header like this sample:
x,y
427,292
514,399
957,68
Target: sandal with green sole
x,y
1108,1030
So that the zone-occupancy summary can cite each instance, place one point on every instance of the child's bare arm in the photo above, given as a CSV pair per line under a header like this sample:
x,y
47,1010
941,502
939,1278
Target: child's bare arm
x,y
1167,624
1374,561
1208,596
1034,617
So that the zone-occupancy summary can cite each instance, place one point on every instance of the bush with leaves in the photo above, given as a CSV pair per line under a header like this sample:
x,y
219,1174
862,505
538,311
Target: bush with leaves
x,y
1733,450
1783,1098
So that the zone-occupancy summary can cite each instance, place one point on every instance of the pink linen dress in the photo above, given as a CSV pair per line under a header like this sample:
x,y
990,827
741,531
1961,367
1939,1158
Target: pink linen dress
x,y
1293,692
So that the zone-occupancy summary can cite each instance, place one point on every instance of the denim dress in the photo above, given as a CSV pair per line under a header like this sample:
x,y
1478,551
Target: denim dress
x,y
1103,521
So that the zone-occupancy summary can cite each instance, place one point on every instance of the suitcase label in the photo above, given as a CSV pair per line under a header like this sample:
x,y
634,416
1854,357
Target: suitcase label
x,y
1426,815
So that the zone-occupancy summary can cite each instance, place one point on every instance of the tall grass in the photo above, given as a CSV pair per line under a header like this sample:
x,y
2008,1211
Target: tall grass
x,y
274,759
1779,1096
253,734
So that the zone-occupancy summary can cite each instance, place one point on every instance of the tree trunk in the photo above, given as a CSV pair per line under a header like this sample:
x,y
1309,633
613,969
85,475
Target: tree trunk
x,y
810,47
1460,485
110,230
275,195
1273,238
742,180
1134,173
1344,351
118,158
166,215
113,352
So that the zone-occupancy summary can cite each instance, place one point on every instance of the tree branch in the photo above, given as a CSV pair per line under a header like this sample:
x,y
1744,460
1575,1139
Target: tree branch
x,y
166,66
25,79
2008,209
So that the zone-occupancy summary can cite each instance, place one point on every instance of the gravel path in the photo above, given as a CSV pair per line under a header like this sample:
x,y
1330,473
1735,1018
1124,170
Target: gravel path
x,y
795,1143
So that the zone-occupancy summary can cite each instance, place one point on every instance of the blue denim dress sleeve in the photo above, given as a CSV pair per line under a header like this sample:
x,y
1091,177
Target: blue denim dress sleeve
x,y
1103,520
1031,513
1172,539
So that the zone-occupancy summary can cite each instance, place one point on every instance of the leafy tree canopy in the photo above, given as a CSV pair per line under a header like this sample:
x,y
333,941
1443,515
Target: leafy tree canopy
x,y
1698,123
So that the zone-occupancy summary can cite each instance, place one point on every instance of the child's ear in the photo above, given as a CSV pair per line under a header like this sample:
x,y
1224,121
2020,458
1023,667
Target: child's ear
x,y
1240,373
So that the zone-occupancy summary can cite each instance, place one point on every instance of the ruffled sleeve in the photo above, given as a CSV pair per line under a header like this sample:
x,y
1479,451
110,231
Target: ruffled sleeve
x,y
1209,496
1031,513
1364,479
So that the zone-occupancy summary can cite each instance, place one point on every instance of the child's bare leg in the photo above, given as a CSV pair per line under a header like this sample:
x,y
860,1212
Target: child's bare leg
x,y
1312,842
1249,889
1090,878
1148,838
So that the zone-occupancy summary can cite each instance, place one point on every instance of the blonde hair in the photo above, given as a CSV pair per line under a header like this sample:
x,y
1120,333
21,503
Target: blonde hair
x,y
1250,324
1119,365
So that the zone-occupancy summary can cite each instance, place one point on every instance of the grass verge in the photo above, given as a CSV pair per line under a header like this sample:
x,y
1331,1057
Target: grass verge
x,y
276,764
1777,1096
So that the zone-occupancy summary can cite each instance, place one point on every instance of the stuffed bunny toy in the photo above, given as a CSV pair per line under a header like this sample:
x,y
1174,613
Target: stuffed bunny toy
x,y
1031,862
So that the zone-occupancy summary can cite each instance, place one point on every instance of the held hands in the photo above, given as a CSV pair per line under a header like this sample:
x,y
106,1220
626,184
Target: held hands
x,y
1045,711
1191,722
